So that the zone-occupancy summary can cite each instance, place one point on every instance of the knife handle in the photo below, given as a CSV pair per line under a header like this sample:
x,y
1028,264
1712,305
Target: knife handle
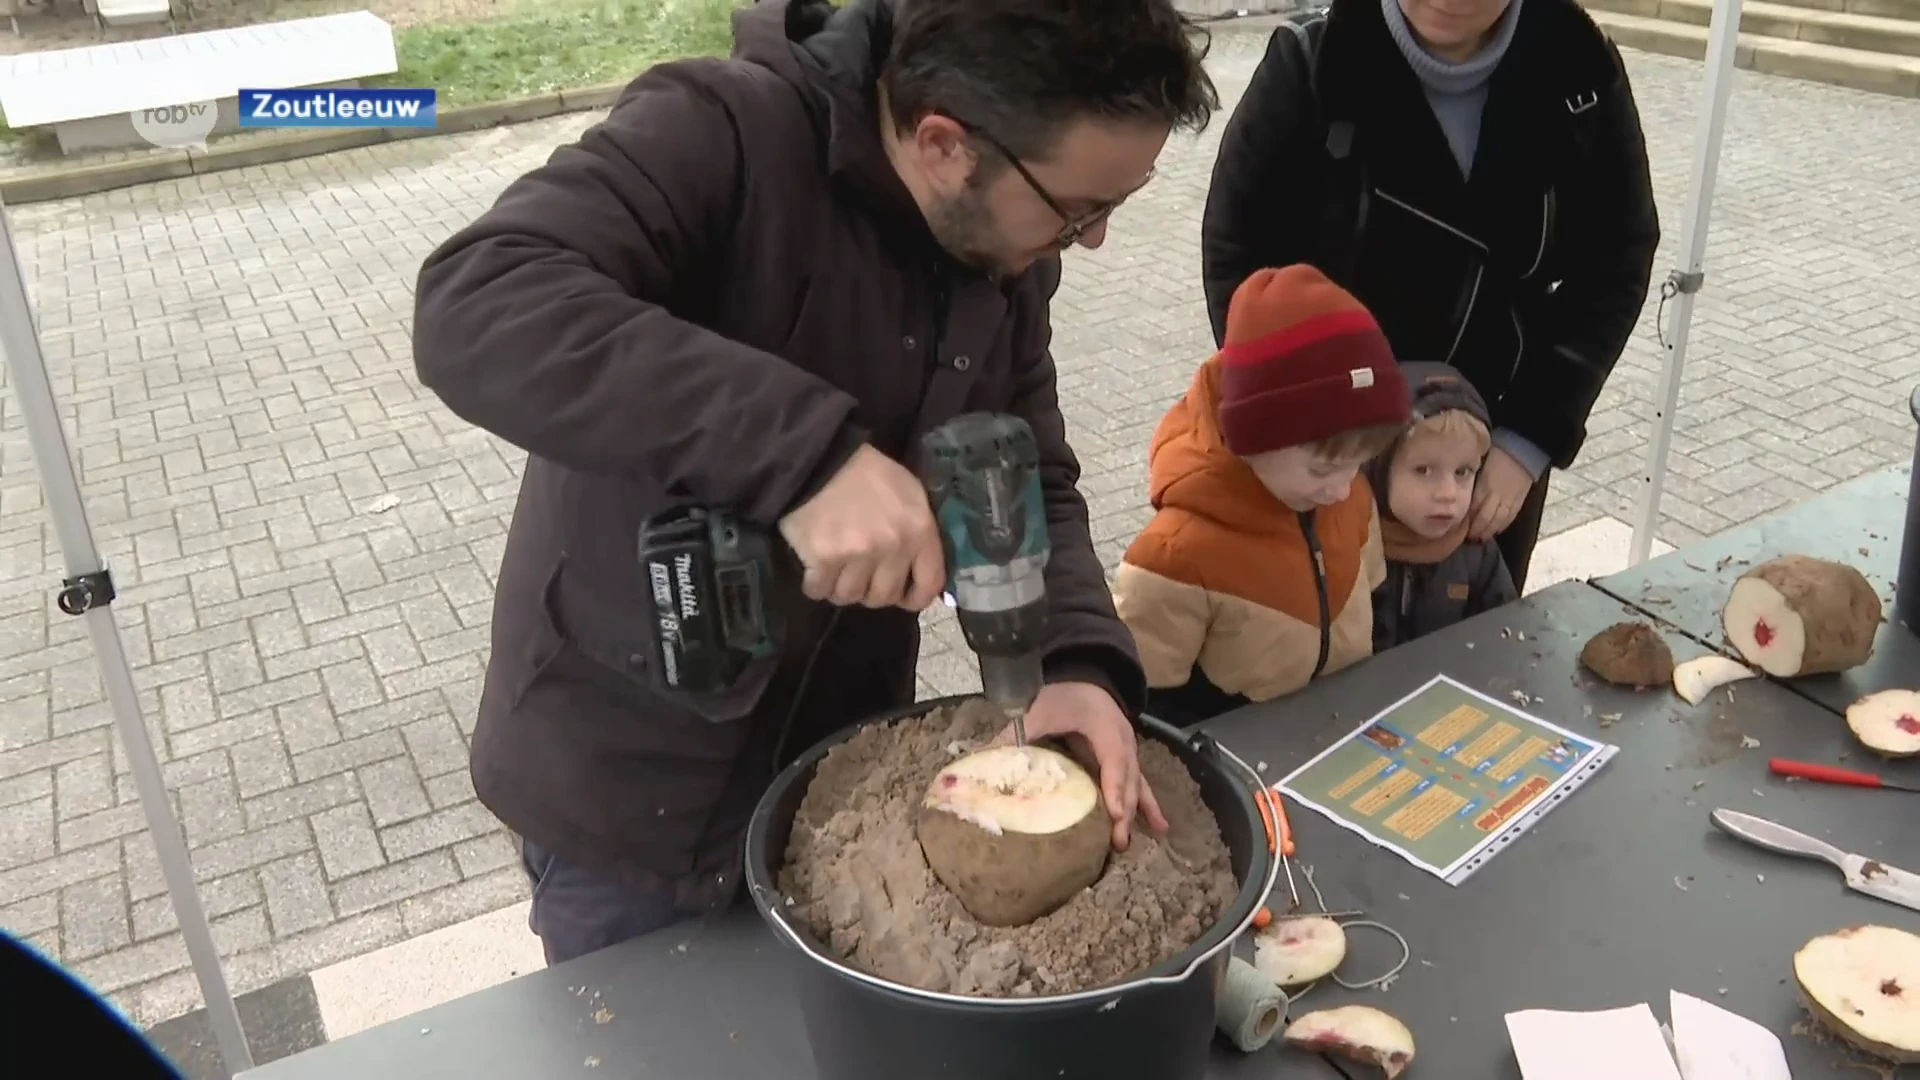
x,y
1825,774
1766,834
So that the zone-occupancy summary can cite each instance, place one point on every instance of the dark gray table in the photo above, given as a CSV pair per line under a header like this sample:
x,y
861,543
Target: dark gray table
x,y
1587,910
1860,523
1582,912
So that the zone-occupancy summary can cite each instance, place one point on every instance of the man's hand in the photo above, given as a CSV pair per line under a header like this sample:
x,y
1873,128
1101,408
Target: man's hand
x,y
1502,487
1090,722
868,537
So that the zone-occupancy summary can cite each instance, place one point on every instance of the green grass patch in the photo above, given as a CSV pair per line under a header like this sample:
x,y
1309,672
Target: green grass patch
x,y
557,47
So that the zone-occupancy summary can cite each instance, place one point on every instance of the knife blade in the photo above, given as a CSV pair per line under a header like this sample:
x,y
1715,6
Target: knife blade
x,y
1869,876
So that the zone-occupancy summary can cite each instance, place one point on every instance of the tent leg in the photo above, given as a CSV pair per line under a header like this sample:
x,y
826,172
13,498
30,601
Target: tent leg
x,y
1684,281
88,591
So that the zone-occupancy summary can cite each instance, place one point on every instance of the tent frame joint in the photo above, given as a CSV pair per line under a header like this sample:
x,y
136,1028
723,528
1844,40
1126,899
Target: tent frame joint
x,y
79,595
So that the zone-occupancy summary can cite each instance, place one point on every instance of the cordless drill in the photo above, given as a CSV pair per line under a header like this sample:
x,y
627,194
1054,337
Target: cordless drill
x,y
982,473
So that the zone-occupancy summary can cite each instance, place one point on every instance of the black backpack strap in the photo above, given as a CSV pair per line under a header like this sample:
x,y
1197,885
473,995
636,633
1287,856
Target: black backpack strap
x,y
1309,27
1344,187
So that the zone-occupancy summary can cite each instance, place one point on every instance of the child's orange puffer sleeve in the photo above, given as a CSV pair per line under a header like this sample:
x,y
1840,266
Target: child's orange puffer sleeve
x,y
1161,599
1373,556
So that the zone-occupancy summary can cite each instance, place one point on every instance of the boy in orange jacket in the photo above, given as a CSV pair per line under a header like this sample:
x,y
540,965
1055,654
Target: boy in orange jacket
x,y
1257,571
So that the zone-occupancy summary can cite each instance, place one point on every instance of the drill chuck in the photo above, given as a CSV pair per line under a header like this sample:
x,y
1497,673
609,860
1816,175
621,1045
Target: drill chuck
x,y
1011,682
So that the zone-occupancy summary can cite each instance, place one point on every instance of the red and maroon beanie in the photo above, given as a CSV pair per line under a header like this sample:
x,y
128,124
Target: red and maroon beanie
x,y
1303,361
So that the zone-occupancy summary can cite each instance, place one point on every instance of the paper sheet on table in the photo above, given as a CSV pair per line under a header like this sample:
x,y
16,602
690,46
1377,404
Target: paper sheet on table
x,y
1615,1044
1714,1044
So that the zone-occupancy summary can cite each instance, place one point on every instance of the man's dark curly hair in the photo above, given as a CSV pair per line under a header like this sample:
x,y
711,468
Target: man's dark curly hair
x,y
1022,70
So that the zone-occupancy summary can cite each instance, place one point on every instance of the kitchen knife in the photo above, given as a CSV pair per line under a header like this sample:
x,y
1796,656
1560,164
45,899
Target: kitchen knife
x,y
1869,876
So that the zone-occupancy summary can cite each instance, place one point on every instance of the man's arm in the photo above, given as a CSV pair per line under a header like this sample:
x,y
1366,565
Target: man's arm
x,y
1254,217
1592,314
1086,641
546,320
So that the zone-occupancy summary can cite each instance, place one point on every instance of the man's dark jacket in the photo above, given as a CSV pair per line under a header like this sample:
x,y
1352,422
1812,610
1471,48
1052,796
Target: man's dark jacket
x,y
712,299
1529,277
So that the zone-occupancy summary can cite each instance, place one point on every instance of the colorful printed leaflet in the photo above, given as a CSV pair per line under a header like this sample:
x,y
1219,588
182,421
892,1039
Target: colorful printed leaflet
x,y
1441,774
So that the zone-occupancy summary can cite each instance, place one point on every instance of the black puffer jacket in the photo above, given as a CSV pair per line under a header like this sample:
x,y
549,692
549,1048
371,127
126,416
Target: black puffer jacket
x,y
1529,277
1416,598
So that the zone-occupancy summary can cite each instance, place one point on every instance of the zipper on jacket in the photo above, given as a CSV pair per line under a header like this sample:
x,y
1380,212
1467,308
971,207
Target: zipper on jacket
x,y
1466,317
940,296
1546,231
1320,587
1406,596
1519,350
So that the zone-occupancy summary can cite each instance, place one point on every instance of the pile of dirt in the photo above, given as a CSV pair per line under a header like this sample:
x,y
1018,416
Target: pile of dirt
x,y
855,874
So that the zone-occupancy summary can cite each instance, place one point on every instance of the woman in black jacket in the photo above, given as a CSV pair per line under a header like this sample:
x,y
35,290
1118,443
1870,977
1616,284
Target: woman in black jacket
x,y
1475,172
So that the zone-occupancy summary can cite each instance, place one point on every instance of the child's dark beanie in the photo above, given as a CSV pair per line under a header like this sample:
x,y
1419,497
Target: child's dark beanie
x,y
1303,361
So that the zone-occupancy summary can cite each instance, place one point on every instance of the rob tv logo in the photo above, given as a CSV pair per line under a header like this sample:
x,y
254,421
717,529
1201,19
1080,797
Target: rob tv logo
x,y
338,108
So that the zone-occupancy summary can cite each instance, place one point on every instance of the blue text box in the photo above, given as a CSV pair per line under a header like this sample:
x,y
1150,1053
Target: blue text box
x,y
343,107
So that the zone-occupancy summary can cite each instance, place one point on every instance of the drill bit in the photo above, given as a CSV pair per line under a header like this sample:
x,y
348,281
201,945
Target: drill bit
x,y
1011,684
1019,726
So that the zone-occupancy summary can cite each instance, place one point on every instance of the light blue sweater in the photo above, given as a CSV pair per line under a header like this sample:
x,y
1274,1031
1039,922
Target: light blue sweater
x,y
1458,95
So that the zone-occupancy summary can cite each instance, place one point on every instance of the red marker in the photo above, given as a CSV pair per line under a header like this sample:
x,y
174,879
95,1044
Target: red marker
x,y
1829,774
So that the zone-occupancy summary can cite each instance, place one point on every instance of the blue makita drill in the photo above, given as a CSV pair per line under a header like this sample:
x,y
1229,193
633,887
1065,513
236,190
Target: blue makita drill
x,y
711,577
982,473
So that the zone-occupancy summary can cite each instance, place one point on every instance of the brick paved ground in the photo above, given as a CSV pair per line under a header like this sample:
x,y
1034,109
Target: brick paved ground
x,y
306,541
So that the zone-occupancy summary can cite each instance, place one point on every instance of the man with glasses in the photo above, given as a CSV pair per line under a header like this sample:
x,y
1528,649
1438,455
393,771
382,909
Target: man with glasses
x,y
751,288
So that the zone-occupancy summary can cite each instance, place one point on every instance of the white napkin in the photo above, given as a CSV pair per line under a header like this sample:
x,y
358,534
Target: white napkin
x,y
1714,1044
1628,1044
1615,1044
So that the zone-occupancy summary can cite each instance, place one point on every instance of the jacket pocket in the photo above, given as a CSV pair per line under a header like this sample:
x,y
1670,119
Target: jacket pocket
x,y
642,773
620,636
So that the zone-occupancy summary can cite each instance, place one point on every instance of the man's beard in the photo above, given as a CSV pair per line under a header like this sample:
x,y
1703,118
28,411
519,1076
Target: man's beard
x,y
963,226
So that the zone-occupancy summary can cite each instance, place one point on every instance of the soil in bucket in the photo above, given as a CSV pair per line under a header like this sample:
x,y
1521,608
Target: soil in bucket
x,y
856,876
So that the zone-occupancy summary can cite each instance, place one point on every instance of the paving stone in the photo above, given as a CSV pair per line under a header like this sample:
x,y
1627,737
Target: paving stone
x,y
93,829
469,899
486,853
251,849
26,833
302,800
261,765
154,915
396,881
348,843
449,789
393,790
94,918
210,812
26,788
66,868
31,916
296,894
439,829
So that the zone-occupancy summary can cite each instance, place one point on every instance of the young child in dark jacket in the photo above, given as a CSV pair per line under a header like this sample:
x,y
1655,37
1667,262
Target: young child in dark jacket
x,y
1423,484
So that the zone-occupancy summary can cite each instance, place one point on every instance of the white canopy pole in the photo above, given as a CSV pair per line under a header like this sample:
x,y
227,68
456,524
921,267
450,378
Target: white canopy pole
x,y
1684,281
88,591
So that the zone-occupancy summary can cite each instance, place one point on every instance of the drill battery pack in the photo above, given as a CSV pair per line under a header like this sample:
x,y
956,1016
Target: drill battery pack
x,y
710,580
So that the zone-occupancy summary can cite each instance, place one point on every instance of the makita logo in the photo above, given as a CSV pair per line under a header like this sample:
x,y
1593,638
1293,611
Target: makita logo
x,y
689,596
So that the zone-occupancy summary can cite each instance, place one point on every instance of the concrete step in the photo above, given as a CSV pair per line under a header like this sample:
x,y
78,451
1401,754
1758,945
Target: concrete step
x,y
1833,64
1769,18
1894,9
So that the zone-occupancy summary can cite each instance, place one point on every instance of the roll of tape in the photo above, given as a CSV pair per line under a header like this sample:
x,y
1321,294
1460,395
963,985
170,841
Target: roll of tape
x,y
1250,1008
